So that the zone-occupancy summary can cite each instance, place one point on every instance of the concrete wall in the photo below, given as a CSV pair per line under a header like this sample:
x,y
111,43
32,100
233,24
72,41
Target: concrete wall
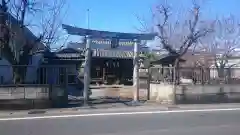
x,y
24,98
163,93
31,97
123,92
208,89
10,93
208,93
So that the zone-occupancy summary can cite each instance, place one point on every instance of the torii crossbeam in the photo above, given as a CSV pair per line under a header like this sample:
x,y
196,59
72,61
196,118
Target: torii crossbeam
x,y
106,34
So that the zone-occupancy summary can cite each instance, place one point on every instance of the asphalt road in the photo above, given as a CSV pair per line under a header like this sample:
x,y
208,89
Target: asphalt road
x,y
184,123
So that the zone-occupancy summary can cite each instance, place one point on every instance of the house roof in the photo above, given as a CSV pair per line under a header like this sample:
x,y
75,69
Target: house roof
x,y
76,45
166,59
78,53
71,53
112,54
28,34
69,50
26,31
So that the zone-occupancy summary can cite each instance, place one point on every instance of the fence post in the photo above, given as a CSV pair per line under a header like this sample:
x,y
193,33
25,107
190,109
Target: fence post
x,y
148,83
174,97
46,80
202,76
65,91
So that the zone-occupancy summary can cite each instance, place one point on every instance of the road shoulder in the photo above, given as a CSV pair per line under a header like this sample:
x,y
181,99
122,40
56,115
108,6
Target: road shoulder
x,y
94,110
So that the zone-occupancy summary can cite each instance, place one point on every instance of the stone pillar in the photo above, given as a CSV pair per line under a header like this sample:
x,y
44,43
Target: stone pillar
x,y
87,69
136,70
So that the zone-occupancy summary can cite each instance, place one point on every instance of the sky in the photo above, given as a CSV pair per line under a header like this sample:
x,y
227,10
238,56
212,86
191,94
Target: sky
x,y
120,15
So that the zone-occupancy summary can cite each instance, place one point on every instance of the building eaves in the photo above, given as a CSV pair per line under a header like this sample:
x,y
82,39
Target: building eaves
x,y
112,54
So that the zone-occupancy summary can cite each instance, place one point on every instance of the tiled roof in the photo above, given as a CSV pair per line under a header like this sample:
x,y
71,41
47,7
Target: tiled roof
x,y
166,59
69,53
99,53
112,54
106,46
28,34
69,50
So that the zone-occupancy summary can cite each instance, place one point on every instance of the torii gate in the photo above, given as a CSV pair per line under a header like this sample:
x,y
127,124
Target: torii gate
x,y
90,34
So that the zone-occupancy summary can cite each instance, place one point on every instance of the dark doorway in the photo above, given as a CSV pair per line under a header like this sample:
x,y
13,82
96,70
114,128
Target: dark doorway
x,y
111,71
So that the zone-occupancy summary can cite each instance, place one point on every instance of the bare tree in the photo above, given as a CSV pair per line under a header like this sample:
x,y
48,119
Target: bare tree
x,y
21,10
176,37
189,32
47,16
145,25
50,24
223,43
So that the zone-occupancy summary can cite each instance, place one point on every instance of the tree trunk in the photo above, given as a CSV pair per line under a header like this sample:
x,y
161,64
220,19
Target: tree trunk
x,y
176,80
220,72
176,66
19,67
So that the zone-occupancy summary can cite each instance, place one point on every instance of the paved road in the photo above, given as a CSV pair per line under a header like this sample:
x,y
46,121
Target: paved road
x,y
183,123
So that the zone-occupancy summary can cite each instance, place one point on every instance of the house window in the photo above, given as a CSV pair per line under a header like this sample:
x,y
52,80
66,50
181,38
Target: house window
x,y
72,74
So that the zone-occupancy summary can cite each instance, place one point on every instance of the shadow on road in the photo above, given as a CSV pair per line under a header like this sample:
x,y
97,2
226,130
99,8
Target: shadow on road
x,y
108,102
206,99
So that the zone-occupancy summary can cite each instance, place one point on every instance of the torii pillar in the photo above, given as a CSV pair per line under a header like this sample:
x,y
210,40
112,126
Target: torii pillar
x,y
136,71
87,70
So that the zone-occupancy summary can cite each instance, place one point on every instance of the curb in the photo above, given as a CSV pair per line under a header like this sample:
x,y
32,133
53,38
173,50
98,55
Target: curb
x,y
91,109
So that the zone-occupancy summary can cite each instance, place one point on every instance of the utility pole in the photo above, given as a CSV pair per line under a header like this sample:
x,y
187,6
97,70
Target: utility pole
x,y
87,70
88,19
136,70
87,64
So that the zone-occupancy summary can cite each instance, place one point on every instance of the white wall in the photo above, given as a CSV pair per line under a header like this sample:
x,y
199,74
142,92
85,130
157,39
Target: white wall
x,y
31,73
6,71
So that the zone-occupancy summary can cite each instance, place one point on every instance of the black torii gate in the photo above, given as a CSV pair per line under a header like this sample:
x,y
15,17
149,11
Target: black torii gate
x,y
114,36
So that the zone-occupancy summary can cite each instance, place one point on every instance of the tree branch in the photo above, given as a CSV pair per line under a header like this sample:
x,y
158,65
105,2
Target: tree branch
x,y
163,10
192,37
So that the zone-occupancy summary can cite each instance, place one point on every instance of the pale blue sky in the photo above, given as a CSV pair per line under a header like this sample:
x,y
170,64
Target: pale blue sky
x,y
119,15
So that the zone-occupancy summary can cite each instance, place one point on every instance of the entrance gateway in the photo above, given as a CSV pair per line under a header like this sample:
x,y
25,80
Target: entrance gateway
x,y
114,38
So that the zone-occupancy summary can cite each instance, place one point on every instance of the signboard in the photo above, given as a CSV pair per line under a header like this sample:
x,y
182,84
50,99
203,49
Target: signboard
x,y
108,42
